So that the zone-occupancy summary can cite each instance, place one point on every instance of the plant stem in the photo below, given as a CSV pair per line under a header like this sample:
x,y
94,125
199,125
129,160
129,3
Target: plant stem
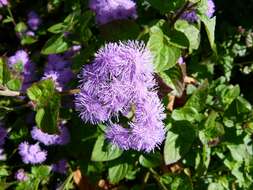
x,y
11,15
10,93
70,92
7,92
157,178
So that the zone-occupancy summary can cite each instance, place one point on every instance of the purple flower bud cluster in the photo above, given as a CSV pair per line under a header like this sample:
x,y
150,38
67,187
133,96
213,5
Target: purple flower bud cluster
x,y
3,3
60,166
120,80
191,15
32,153
20,63
21,175
33,20
51,139
59,70
109,10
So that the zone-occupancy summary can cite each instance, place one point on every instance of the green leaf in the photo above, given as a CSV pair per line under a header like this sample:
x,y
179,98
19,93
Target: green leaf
x,y
186,113
58,28
215,186
210,30
198,98
4,72
47,101
178,142
165,55
41,171
227,94
20,27
181,182
212,128
118,172
151,160
28,40
102,151
191,32
56,44
174,79
14,84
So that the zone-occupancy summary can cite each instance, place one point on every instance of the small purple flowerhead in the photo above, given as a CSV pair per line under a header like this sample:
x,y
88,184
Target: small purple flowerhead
x,y
33,20
210,8
60,167
62,138
30,33
54,76
19,59
3,3
191,15
180,61
109,10
32,154
3,135
21,175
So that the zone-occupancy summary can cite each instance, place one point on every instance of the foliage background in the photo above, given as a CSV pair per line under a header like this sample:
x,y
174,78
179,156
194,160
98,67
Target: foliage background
x,y
209,139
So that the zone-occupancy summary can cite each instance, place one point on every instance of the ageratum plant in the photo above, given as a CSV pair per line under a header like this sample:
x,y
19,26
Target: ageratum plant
x,y
125,94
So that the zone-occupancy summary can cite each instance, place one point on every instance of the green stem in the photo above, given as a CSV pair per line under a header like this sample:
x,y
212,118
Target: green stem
x,y
68,181
11,15
157,178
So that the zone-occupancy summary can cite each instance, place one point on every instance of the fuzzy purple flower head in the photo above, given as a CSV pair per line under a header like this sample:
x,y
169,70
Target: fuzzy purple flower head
x,y
109,10
33,20
3,3
21,175
62,138
60,167
32,154
120,80
191,15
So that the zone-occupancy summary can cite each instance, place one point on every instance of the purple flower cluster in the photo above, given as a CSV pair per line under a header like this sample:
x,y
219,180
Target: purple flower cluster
x,y
191,15
3,3
109,10
31,153
119,80
59,70
60,167
21,175
33,20
51,139
20,63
